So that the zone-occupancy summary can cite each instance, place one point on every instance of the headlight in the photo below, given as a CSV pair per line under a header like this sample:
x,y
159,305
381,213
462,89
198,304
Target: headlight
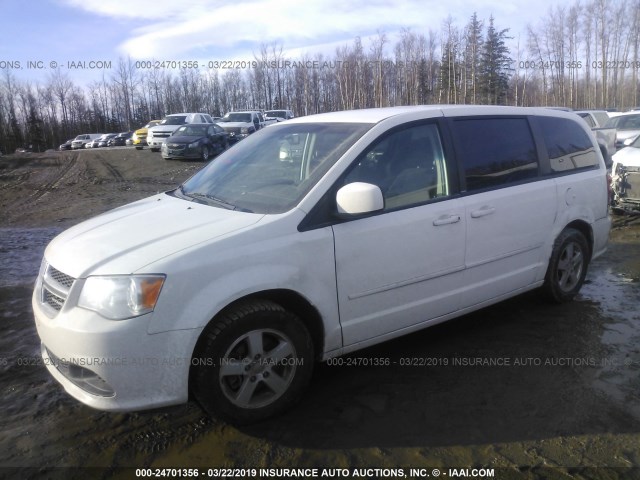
x,y
244,130
123,296
134,136
194,145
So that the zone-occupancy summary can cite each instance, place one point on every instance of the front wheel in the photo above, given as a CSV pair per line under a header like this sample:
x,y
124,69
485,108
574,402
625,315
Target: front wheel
x,y
567,266
252,363
204,153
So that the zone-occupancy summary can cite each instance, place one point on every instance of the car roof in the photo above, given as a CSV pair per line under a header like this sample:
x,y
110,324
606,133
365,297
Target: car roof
x,y
375,115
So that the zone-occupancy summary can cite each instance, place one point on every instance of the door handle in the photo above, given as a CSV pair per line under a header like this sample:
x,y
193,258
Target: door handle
x,y
483,212
446,220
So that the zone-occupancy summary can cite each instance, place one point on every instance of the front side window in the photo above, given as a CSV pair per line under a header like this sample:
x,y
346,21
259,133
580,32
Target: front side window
x,y
495,152
568,146
271,171
408,166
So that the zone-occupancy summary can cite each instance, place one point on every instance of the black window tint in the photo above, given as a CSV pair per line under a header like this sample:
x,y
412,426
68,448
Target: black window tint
x,y
569,147
495,151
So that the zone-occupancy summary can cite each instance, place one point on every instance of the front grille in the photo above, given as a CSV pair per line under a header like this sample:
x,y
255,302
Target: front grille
x,y
53,300
61,278
176,146
55,290
234,130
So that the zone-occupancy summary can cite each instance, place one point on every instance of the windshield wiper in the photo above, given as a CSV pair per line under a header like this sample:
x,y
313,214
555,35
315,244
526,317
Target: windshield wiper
x,y
216,201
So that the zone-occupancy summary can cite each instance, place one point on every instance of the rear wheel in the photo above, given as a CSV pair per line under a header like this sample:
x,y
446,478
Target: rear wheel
x,y
567,266
252,363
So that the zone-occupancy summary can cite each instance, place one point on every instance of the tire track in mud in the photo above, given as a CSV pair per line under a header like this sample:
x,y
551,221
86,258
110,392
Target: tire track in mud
x,y
13,179
62,169
113,171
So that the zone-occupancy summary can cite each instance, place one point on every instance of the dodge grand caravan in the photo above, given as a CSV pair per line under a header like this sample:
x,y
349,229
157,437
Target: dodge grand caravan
x,y
313,238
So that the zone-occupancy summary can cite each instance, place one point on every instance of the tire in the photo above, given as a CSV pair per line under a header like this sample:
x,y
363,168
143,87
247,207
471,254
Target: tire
x,y
138,148
204,153
252,363
567,266
154,149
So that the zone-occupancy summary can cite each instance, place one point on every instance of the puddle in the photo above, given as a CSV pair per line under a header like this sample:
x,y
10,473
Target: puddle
x,y
21,251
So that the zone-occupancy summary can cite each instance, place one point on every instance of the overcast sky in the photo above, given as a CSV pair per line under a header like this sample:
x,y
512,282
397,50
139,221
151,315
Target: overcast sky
x,y
64,31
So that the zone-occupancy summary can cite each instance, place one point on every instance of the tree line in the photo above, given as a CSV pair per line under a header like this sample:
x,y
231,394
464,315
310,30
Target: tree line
x,y
584,55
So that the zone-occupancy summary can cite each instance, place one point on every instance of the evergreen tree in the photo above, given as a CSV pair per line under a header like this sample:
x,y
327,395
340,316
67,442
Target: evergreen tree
x,y
495,66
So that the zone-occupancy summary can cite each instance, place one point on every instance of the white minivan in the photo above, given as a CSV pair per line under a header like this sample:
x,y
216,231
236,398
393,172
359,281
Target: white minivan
x,y
313,238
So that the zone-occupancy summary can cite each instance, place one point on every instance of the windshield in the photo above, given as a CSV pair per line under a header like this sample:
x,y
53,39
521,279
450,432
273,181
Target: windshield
x,y
191,131
177,120
152,124
276,113
273,169
236,117
625,122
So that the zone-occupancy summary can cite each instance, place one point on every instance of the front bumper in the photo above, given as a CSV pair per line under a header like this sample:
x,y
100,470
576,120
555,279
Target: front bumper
x,y
112,365
179,153
626,188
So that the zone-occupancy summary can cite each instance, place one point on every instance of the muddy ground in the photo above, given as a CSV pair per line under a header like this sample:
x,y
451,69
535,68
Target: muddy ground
x,y
565,395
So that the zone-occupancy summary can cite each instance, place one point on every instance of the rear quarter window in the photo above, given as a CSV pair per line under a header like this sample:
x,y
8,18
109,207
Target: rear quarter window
x,y
568,145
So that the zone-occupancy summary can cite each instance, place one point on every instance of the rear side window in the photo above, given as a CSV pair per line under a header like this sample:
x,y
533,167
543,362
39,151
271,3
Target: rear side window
x,y
569,147
495,152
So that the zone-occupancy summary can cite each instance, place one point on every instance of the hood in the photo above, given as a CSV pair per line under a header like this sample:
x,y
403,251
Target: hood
x,y
184,138
628,156
126,239
622,135
163,128
236,124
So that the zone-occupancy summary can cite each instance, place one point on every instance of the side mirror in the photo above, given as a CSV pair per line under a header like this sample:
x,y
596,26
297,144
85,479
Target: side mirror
x,y
358,198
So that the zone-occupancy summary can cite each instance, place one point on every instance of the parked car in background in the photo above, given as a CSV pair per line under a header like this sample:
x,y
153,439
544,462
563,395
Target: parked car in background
x,y
606,136
279,115
240,125
314,238
96,142
139,137
104,140
195,140
81,141
627,125
158,134
66,145
625,177
120,139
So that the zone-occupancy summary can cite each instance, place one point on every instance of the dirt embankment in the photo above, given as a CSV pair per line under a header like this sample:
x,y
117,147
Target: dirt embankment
x,y
63,188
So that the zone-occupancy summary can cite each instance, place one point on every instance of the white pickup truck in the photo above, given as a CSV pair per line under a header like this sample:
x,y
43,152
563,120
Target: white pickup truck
x,y
241,124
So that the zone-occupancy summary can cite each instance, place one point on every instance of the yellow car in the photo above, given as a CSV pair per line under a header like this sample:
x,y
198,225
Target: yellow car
x,y
140,136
